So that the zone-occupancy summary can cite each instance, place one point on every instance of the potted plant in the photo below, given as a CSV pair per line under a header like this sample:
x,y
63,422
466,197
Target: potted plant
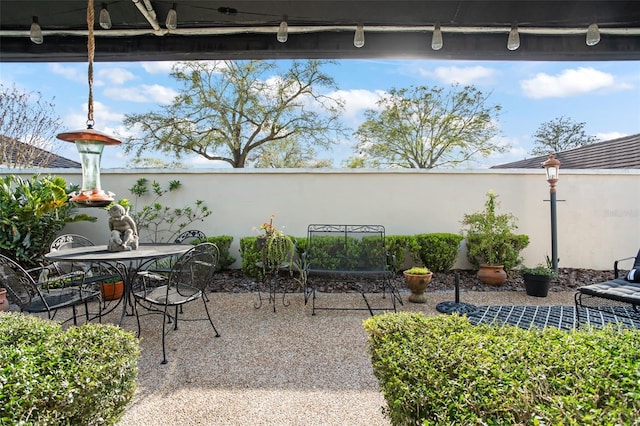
x,y
418,278
492,245
112,288
276,248
537,280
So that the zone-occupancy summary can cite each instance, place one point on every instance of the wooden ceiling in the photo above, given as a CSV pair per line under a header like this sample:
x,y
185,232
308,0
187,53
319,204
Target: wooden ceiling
x,y
472,30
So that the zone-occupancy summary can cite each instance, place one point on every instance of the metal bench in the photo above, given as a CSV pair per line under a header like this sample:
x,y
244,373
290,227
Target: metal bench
x,y
349,253
618,296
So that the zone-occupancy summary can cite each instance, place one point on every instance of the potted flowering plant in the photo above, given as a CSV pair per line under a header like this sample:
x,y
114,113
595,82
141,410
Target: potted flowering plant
x,y
417,279
276,247
492,245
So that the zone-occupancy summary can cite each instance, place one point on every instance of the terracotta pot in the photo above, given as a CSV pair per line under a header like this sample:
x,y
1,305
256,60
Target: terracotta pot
x,y
492,274
418,284
537,285
4,303
112,291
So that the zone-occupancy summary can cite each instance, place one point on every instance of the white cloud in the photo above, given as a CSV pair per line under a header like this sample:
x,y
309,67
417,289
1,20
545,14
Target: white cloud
x,y
160,67
146,93
116,75
461,75
72,73
569,82
357,100
102,116
607,136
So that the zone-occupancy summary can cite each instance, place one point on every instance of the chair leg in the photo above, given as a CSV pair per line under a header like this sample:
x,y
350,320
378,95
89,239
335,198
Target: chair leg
x,y
164,333
206,308
175,320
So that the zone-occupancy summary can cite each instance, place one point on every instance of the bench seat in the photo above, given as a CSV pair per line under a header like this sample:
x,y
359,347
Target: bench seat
x,y
349,253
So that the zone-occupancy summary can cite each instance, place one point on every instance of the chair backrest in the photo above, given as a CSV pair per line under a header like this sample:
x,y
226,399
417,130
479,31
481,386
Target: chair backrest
x,y
21,287
189,236
68,241
195,268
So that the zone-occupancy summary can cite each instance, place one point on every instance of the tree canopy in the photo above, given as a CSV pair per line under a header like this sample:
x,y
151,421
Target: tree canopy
x,y
423,127
28,124
560,134
232,111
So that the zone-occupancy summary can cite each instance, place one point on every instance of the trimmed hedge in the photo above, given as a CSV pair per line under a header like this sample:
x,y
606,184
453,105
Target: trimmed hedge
x,y
223,242
443,370
437,251
82,376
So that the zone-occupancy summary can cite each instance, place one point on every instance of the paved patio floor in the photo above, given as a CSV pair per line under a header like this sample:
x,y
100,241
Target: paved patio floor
x,y
282,368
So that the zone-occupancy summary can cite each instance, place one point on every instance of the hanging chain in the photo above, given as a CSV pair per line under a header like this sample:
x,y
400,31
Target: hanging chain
x,y
91,50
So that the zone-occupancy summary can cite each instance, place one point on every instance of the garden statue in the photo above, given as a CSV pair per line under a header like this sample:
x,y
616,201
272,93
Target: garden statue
x,y
124,233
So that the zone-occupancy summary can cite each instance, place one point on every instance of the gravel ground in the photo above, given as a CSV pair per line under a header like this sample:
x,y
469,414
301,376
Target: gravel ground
x,y
287,367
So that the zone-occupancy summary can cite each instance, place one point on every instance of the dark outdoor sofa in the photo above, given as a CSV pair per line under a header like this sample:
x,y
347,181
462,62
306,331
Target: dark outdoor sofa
x,y
620,295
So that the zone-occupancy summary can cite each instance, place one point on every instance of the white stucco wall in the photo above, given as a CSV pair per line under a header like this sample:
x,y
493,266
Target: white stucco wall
x,y
598,210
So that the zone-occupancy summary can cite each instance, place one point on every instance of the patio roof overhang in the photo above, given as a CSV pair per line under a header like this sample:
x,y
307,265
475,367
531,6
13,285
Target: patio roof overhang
x,y
472,30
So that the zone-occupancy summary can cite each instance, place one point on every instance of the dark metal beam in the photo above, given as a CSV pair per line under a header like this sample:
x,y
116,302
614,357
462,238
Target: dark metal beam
x,y
320,45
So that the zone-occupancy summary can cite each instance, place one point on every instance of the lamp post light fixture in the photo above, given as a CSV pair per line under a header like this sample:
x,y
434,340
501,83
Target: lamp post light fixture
x,y
552,168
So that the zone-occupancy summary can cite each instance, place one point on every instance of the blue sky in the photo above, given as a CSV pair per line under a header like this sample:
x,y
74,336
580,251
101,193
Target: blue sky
x,y
604,95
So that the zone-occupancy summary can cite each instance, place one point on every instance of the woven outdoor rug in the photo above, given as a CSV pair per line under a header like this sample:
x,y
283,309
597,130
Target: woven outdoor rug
x,y
563,317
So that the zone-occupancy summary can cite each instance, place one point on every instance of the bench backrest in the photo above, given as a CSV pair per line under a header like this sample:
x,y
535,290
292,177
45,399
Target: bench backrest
x,y
346,248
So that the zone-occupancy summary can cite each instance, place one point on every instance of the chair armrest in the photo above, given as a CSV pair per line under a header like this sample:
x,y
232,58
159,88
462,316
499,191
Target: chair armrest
x,y
615,265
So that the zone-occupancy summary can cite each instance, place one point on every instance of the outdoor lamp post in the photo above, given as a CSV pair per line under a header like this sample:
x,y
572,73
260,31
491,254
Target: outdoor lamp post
x,y
552,167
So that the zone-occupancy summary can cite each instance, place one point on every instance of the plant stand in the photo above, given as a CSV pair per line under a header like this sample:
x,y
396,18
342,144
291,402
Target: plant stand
x,y
457,307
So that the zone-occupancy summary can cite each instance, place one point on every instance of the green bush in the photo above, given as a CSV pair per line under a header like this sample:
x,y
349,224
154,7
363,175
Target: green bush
x,y
437,251
398,246
443,370
223,242
32,212
251,255
508,251
83,376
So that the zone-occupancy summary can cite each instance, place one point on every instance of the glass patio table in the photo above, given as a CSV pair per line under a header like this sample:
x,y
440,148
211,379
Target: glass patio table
x,y
127,263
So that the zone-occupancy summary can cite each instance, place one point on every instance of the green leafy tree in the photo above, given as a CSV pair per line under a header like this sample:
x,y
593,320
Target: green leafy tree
x,y
423,127
27,127
560,134
230,111
289,153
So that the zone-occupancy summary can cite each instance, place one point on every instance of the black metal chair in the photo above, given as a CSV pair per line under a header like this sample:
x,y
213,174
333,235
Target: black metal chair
x,y
63,242
190,236
64,291
94,274
163,266
186,282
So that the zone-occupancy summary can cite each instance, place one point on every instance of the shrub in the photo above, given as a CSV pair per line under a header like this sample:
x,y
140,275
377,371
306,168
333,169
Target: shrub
x,y
437,251
85,375
490,236
509,250
398,246
33,211
223,242
156,222
251,255
443,370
